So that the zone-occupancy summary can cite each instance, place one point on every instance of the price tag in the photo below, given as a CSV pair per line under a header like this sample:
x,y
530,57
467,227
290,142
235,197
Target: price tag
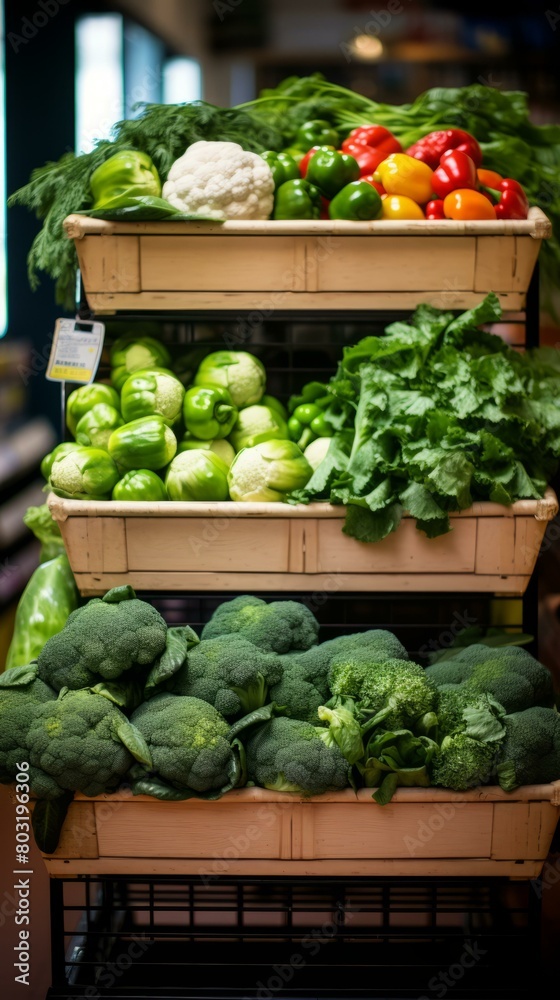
x,y
76,351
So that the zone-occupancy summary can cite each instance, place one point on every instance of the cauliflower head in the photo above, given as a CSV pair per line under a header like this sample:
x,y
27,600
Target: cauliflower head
x,y
220,179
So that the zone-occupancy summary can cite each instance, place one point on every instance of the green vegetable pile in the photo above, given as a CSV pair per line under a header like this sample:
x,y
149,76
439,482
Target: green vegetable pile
x,y
436,413
500,121
116,698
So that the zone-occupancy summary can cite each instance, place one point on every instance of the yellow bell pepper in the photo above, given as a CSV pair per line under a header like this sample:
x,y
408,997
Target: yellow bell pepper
x,y
404,175
398,206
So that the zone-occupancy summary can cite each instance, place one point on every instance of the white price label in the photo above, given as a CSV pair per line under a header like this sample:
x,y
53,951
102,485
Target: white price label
x,y
76,351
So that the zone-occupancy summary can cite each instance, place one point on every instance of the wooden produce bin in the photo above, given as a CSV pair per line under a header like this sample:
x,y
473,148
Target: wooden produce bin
x,y
304,265
262,546
423,831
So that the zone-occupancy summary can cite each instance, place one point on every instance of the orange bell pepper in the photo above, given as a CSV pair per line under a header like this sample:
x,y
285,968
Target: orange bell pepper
x,y
399,206
468,204
404,175
489,178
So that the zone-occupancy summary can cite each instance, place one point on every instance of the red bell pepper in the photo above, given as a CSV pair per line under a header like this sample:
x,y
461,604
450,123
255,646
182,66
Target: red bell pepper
x,y
370,179
456,170
512,202
370,145
434,209
304,162
431,148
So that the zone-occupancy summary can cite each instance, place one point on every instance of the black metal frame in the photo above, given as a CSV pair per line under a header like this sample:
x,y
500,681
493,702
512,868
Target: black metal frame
x,y
247,937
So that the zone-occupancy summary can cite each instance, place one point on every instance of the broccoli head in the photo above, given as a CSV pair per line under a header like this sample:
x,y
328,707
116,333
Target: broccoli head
x,y
463,762
509,673
288,755
530,753
188,740
230,673
395,692
304,685
277,627
21,694
106,637
460,709
84,742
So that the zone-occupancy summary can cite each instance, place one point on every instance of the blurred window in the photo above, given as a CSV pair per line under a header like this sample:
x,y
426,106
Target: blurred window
x,y
99,78
182,81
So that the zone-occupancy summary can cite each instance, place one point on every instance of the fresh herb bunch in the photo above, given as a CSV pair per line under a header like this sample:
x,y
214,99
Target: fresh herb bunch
x,y
440,413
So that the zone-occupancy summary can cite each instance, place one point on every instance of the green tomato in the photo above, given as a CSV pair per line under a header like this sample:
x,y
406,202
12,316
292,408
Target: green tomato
x,y
220,447
61,449
147,443
84,474
255,424
131,354
140,484
197,475
240,373
152,391
95,427
268,472
83,399
208,412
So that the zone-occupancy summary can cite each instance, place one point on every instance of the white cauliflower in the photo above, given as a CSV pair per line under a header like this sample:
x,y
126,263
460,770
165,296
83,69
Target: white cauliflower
x,y
220,179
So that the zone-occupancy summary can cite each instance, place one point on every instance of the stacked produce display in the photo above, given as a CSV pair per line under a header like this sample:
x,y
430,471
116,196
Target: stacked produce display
x,y
118,697
426,418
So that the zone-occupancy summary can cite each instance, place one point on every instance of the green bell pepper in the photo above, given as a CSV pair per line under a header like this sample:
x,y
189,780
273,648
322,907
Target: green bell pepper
x,y
130,354
84,474
283,166
96,426
209,412
330,171
357,201
295,153
316,132
297,200
61,449
152,391
197,475
43,609
275,405
146,443
140,484
126,173
83,399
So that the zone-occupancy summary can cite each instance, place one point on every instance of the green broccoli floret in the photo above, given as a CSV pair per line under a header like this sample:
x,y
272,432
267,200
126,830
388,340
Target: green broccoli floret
x,y
230,673
21,694
509,673
188,741
106,637
463,762
460,709
84,742
304,685
277,627
395,692
288,755
530,754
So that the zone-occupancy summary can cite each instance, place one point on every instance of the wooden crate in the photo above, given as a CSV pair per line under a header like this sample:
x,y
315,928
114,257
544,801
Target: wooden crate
x,y
423,831
275,546
264,266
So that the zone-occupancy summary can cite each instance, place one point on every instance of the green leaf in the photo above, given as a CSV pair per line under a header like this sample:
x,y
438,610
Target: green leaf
x,y
19,676
178,641
366,526
118,594
386,790
487,311
420,503
482,724
48,820
507,776
147,208
255,718
134,742
113,692
452,477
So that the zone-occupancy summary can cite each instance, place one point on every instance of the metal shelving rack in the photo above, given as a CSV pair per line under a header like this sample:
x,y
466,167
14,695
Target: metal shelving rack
x,y
225,938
